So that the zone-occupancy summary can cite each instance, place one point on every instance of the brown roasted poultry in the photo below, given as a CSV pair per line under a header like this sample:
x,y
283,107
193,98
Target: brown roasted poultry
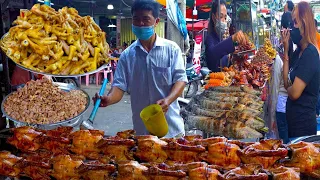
x,y
9,164
150,149
183,153
285,173
63,131
306,157
132,170
155,173
201,173
246,172
25,138
222,154
84,142
56,140
66,167
265,153
127,134
195,170
95,170
36,165
171,165
206,142
116,149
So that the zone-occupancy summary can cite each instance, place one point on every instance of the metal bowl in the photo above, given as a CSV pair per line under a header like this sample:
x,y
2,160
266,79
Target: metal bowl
x,y
75,121
44,73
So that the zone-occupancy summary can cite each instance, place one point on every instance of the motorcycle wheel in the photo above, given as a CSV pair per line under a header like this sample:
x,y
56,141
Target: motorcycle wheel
x,y
71,81
191,89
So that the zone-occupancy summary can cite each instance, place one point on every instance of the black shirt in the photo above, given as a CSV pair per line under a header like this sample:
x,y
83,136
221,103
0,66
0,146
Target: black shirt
x,y
301,113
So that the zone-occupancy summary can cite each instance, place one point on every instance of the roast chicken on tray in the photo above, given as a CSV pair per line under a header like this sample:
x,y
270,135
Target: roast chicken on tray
x,y
86,154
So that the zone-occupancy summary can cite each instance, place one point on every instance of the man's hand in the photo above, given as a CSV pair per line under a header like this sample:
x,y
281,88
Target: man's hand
x,y
104,100
164,103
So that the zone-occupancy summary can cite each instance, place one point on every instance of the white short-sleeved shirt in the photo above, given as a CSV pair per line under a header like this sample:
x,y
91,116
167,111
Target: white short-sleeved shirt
x,y
149,77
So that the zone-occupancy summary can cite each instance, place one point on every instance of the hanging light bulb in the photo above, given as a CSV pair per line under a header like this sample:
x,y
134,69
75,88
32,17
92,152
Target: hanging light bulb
x,y
110,6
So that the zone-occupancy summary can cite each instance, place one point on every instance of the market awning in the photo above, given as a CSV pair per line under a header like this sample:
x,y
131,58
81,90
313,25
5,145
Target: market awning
x,y
198,26
203,7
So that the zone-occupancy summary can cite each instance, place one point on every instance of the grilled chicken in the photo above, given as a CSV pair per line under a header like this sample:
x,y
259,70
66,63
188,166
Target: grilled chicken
x,y
306,157
116,149
201,173
9,164
151,149
285,173
84,142
265,153
127,134
246,172
66,167
36,165
95,170
132,170
222,154
183,153
25,138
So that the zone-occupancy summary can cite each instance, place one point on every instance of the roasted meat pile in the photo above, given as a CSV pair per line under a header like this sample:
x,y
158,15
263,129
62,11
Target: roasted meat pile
x,y
41,102
233,112
86,154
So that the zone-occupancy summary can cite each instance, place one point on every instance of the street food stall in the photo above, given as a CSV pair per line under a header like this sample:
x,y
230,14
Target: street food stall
x,y
45,145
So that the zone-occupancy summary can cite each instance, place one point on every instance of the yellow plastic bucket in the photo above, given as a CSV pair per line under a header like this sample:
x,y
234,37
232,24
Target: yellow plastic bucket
x,y
154,120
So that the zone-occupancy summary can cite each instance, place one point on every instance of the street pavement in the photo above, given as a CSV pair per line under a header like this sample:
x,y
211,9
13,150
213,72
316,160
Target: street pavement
x,y
114,118
111,119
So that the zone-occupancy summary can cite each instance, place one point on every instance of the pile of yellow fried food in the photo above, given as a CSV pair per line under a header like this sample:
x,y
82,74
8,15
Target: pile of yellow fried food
x,y
56,42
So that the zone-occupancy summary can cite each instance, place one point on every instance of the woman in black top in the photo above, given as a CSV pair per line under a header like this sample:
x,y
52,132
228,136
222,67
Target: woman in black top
x,y
301,73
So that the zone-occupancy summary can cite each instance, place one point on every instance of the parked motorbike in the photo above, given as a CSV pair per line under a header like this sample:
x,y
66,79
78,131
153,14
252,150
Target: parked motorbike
x,y
194,80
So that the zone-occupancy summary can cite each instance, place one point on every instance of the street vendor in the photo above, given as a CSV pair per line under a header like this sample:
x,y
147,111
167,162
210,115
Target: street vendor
x,y
216,50
151,70
301,73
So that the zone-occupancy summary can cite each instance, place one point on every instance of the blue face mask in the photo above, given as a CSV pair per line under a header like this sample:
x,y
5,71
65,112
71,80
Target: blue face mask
x,y
143,33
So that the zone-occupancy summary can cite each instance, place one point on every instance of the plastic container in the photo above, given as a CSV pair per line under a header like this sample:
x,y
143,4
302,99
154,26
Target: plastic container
x,y
154,120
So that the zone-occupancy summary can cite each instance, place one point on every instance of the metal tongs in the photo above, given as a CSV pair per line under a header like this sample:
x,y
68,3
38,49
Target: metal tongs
x,y
88,124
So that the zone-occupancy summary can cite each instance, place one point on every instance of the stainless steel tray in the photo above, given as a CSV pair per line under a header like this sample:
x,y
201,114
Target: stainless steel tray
x,y
44,73
70,122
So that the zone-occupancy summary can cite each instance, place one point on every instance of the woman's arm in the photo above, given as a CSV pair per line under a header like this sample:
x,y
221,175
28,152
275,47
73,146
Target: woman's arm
x,y
304,72
295,91
216,50
285,73
285,40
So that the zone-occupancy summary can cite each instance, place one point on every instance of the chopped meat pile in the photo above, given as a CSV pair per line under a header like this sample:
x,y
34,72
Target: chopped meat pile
x,y
41,102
